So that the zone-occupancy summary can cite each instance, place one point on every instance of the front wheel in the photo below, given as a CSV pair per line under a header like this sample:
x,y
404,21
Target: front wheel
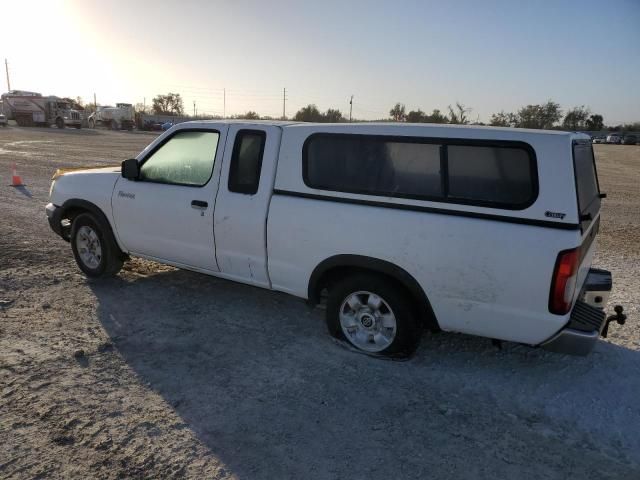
x,y
94,248
374,315
59,122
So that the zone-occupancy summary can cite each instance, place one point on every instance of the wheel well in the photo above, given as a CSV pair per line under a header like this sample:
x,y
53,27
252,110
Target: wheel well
x,y
340,266
74,207
66,219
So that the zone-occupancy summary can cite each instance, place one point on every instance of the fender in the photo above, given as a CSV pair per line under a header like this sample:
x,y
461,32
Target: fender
x,y
77,203
375,265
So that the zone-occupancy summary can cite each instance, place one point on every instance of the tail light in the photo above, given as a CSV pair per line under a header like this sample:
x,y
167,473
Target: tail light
x,y
563,283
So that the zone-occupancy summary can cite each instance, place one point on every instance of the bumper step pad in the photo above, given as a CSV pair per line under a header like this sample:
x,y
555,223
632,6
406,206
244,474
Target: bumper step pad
x,y
586,318
581,333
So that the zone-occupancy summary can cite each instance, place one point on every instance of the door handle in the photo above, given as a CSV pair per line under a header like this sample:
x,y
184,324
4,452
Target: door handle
x,y
199,204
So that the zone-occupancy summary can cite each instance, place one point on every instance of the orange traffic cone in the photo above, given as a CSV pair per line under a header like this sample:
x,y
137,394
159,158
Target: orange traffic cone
x,y
16,181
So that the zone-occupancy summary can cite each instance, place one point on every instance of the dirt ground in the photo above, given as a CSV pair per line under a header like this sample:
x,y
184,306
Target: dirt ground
x,y
188,376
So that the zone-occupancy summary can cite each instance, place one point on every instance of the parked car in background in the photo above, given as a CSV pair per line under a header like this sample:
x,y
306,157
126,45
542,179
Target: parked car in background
x,y
166,126
630,140
466,229
614,138
599,139
3,120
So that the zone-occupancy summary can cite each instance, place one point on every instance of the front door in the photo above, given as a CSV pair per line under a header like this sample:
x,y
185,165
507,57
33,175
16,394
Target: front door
x,y
167,214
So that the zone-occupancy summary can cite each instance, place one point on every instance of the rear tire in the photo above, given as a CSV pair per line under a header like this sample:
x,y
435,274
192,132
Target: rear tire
x,y
374,315
94,247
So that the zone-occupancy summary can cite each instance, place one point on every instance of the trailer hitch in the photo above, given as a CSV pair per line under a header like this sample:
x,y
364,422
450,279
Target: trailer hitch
x,y
619,317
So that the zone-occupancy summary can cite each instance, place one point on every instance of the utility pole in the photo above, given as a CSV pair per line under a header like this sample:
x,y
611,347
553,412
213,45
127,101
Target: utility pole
x,y
350,107
95,104
194,108
224,103
144,104
6,68
284,103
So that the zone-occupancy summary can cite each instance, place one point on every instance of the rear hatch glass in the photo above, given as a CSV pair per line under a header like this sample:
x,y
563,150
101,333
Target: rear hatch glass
x,y
587,187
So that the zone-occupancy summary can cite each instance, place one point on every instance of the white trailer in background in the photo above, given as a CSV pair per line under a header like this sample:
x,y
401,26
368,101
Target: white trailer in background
x,y
31,109
119,117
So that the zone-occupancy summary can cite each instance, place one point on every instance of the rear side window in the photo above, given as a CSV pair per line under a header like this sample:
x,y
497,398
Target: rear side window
x,y
246,161
361,164
490,174
497,174
586,181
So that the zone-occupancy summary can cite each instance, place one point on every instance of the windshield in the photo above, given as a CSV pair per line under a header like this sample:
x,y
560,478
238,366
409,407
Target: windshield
x,y
586,182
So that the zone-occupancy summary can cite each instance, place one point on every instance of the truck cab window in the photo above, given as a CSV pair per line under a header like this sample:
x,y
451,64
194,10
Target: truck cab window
x,y
185,159
246,161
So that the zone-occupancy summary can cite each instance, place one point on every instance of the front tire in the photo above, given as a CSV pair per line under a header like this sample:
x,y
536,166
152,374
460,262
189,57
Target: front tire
x,y
60,123
94,247
374,315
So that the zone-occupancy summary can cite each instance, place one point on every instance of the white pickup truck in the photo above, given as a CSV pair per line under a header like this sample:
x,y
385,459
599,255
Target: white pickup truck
x,y
485,231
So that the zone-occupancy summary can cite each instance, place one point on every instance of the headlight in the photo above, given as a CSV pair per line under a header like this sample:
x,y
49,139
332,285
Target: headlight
x,y
66,118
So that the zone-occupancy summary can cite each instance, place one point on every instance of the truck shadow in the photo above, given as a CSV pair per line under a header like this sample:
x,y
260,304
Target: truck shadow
x,y
257,378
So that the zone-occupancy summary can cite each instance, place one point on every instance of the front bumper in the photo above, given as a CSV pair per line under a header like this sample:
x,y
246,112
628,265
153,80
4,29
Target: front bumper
x,y
588,319
54,215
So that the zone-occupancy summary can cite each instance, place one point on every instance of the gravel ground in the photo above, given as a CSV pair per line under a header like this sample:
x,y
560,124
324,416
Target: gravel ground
x,y
162,373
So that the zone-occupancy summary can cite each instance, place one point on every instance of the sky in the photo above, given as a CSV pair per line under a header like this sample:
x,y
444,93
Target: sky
x,y
489,55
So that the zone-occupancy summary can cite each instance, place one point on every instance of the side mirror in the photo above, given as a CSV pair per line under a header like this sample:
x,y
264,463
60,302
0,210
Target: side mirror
x,y
130,169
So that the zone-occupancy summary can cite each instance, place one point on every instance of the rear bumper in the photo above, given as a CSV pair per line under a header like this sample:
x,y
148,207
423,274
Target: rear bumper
x,y
581,333
587,319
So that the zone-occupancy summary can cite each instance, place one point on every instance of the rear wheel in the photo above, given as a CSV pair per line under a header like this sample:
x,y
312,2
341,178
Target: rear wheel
x,y
374,315
94,247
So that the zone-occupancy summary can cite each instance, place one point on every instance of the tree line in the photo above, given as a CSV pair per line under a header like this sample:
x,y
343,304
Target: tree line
x,y
544,116
547,116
